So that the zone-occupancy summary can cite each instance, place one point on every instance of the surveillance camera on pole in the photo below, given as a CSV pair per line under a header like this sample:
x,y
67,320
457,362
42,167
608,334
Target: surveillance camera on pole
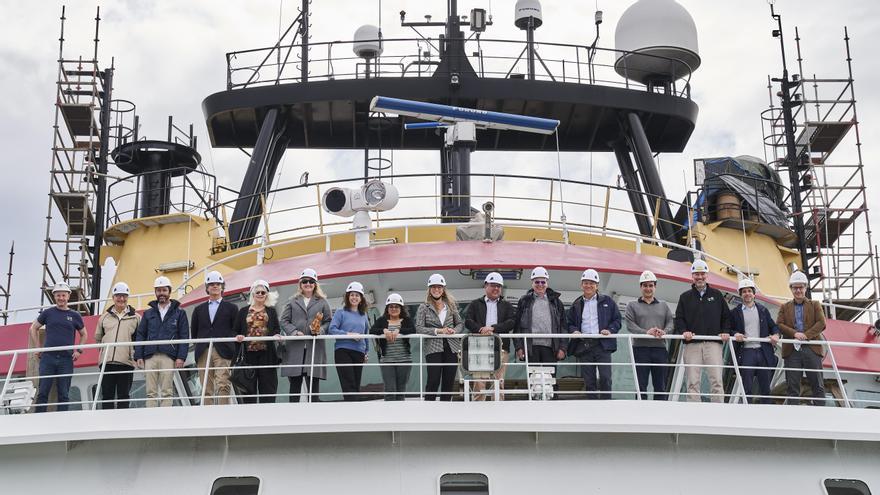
x,y
461,126
375,195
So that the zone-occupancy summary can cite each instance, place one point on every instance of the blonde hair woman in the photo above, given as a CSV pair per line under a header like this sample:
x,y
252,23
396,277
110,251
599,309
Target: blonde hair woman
x,y
306,313
439,316
259,319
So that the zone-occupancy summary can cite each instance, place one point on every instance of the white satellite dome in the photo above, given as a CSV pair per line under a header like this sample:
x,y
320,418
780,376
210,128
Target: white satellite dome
x,y
652,29
526,10
366,42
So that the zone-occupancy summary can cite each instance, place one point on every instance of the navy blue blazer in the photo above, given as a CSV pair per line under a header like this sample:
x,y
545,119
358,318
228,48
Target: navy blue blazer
x,y
609,319
767,327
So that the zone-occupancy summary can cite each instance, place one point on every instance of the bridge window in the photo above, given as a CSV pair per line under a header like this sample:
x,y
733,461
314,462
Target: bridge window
x,y
464,484
236,485
834,486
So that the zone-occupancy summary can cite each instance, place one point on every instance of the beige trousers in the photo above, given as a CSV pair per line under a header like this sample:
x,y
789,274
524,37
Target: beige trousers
x,y
706,354
159,383
218,378
479,387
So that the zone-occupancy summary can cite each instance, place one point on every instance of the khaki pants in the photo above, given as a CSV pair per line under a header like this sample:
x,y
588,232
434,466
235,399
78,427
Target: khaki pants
x,y
479,387
159,383
708,354
218,378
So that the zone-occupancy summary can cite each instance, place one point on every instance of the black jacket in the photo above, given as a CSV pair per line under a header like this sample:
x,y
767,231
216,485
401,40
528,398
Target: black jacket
x,y
273,327
475,318
202,328
524,318
407,327
707,315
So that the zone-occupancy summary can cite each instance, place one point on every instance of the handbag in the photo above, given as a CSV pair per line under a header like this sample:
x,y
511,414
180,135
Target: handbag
x,y
243,377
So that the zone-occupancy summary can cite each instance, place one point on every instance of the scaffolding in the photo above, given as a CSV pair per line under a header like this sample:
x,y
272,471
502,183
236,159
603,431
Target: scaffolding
x,y
83,97
842,260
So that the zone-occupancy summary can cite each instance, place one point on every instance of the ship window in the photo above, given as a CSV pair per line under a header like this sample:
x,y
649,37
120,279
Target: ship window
x,y
464,483
835,486
867,399
236,485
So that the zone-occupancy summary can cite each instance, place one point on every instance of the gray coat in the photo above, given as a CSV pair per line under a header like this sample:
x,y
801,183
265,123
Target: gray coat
x,y
298,353
427,321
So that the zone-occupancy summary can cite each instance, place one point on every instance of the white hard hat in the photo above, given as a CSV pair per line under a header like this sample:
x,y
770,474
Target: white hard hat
x,y
591,275
259,283
699,266
494,278
647,276
121,288
436,279
162,281
214,277
309,273
747,283
798,278
61,287
355,287
394,299
540,272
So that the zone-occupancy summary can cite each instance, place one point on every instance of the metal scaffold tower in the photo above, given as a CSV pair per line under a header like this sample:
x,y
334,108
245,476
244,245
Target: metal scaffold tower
x,y
841,256
81,134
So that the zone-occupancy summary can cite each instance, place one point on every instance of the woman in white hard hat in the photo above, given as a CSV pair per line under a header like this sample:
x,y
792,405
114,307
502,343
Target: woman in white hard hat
x,y
306,313
259,319
438,315
394,352
351,354
117,325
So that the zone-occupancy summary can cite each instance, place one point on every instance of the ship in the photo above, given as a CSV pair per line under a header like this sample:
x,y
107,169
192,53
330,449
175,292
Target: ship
x,y
147,207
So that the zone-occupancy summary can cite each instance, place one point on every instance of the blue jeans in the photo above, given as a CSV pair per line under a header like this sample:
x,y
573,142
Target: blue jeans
x,y
651,355
55,363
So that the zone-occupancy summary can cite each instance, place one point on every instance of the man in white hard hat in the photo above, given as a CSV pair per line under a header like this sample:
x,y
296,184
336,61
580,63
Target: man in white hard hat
x,y
163,320
540,311
118,325
648,315
214,318
752,320
594,314
802,319
62,324
703,312
491,315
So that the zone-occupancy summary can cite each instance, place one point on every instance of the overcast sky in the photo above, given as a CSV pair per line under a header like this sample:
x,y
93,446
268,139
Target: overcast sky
x,y
170,55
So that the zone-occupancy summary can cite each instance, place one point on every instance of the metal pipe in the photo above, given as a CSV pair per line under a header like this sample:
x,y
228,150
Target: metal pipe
x,y
634,191
101,193
648,168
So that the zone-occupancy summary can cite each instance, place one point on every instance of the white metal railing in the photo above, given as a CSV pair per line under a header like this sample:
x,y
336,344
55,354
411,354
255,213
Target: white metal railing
x,y
517,371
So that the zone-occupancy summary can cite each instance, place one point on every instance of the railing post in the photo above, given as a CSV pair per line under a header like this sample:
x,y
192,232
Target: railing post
x,y
8,376
526,360
839,379
205,378
632,360
312,368
421,367
100,377
678,375
739,382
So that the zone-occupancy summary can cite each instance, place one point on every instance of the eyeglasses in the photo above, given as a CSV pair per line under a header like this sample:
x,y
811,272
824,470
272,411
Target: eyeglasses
x,y
539,282
306,282
260,293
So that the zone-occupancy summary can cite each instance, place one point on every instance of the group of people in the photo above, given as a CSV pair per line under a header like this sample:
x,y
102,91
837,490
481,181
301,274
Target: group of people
x,y
702,311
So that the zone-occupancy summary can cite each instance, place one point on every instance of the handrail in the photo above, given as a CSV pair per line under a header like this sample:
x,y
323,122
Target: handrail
x,y
492,63
837,373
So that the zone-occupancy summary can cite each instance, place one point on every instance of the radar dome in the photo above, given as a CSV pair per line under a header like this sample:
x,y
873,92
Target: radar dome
x,y
366,42
663,38
528,10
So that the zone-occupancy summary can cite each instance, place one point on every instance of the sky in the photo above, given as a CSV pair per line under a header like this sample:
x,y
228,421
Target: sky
x,y
169,55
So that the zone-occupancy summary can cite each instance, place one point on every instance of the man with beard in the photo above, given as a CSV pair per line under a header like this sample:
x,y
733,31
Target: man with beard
x,y
756,359
164,320
648,315
702,311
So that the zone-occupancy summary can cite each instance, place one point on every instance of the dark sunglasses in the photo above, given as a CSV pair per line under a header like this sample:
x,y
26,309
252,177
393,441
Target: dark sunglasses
x,y
260,293
539,282
306,282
